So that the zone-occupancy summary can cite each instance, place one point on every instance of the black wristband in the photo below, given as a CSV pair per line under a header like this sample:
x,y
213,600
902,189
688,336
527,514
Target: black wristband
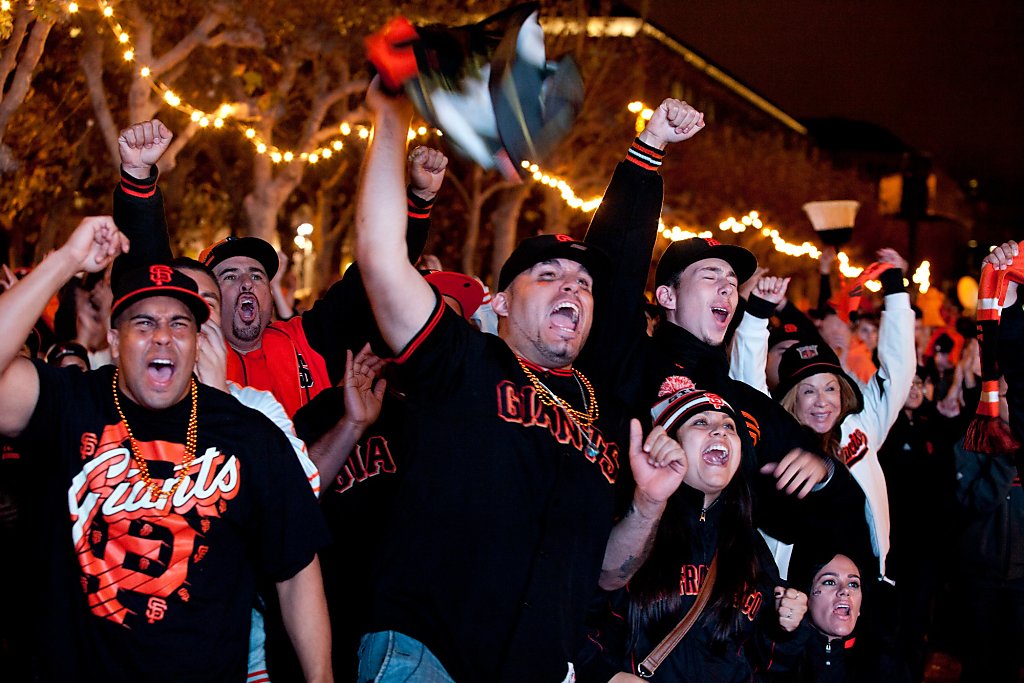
x,y
418,201
154,173
760,308
892,281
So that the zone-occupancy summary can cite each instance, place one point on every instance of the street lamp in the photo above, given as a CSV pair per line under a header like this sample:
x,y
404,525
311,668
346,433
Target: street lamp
x,y
304,258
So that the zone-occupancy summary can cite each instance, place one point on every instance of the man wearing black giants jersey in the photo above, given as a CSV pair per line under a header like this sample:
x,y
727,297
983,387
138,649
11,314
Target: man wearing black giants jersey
x,y
503,517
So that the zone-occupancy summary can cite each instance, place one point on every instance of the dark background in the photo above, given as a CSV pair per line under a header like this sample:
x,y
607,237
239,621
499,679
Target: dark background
x,y
945,77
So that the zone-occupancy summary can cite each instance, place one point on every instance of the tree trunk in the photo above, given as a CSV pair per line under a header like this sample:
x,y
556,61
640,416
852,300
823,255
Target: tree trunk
x,y
22,79
556,214
474,207
506,219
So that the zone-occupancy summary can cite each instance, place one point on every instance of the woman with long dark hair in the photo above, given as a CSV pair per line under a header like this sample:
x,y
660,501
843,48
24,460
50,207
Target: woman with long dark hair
x,y
749,621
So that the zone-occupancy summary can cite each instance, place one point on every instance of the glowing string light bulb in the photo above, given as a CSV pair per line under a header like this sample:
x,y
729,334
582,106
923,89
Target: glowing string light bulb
x,y
922,276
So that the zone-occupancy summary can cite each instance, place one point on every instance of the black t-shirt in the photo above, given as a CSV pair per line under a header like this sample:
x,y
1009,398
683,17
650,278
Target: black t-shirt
x,y
503,516
358,505
161,589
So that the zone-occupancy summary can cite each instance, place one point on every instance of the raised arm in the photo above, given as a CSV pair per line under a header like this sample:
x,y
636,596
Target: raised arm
x,y
363,396
658,465
748,354
401,299
625,226
138,203
92,246
889,387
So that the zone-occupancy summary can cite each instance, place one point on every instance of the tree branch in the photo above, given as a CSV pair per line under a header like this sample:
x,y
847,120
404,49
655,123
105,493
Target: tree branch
x,y
10,52
195,38
289,72
91,63
452,180
170,158
248,36
23,74
495,188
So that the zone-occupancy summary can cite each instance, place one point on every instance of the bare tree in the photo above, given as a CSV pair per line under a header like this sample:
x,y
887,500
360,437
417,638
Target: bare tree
x,y
24,40
220,25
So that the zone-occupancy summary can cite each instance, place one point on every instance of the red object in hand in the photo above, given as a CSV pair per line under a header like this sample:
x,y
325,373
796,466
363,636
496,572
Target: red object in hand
x,y
986,433
390,51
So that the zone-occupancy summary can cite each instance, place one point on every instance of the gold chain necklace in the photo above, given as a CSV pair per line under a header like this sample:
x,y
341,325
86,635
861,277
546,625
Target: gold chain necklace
x,y
551,399
140,462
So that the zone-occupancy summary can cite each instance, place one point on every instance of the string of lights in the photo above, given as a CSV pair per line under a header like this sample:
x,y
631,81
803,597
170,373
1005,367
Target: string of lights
x,y
224,116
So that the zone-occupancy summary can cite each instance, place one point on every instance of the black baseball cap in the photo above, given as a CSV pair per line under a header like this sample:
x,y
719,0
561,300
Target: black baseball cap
x,y
253,247
803,360
67,348
158,279
534,250
782,333
683,253
943,343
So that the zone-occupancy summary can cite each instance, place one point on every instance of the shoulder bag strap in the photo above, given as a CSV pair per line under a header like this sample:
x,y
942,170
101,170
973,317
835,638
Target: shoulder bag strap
x,y
647,667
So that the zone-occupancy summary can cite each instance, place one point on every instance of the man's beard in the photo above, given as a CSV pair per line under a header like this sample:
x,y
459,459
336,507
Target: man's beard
x,y
246,333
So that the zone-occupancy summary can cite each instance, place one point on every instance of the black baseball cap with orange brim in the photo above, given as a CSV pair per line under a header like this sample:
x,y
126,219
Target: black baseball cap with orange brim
x,y
158,279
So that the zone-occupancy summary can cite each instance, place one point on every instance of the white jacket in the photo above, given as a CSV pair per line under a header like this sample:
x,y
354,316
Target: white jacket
x,y
863,432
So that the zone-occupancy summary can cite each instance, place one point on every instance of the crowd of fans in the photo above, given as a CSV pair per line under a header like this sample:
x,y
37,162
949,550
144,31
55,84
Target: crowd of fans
x,y
412,479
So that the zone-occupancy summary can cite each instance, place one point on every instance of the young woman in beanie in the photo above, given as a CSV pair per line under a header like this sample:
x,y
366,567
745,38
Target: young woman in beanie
x,y
750,621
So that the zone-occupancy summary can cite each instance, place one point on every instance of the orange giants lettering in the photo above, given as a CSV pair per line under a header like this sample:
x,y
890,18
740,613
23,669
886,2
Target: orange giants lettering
x,y
521,405
371,457
855,449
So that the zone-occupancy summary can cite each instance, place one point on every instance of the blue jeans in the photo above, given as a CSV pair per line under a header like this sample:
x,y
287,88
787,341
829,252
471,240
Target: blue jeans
x,y
390,657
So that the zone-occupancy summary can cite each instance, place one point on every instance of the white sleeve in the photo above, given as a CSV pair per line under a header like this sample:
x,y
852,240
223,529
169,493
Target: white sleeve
x,y
264,402
887,390
748,357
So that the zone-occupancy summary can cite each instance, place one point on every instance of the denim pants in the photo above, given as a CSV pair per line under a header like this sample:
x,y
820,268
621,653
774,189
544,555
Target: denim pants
x,y
390,657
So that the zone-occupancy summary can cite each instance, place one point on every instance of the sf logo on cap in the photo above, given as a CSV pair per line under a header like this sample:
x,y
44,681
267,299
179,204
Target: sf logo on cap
x,y
715,400
810,351
711,241
160,275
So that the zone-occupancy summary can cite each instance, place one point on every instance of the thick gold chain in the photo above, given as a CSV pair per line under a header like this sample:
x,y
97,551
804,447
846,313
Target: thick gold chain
x,y
549,398
190,447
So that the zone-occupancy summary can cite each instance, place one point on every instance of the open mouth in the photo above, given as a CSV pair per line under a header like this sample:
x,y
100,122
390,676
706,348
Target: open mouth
x,y
566,315
160,370
716,455
247,308
841,610
721,314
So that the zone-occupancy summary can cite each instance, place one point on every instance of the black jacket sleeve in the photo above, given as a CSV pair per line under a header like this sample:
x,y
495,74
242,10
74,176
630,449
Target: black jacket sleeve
x,y
625,227
139,214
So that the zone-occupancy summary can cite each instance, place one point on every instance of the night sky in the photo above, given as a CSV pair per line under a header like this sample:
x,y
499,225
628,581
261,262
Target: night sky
x,y
944,76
